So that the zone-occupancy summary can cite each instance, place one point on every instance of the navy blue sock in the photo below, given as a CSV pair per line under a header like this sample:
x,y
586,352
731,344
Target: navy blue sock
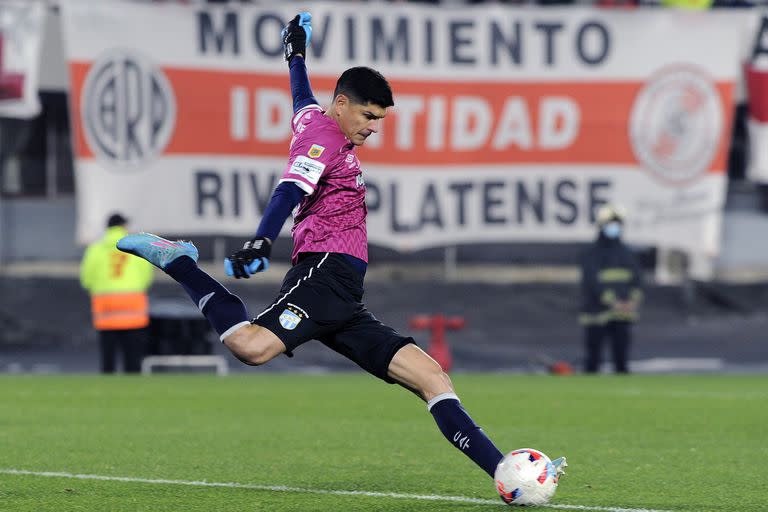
x,y
222,309
457,426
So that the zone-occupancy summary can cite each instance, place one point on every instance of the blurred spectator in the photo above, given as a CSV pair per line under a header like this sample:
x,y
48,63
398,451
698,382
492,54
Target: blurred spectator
x,y
611,292
117,283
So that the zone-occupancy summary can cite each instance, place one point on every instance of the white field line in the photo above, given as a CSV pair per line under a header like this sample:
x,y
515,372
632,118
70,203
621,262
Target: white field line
x,y
283,488
724,395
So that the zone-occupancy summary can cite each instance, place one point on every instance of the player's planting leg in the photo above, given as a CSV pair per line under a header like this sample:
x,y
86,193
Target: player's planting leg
x,y
225,311
414,369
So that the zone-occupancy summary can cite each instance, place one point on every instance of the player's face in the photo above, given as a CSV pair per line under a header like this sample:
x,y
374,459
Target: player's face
x,y
358,121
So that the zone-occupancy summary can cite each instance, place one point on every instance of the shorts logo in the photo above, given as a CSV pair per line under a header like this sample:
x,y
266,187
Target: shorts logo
x,y
676,124
315,151
289,320
128,108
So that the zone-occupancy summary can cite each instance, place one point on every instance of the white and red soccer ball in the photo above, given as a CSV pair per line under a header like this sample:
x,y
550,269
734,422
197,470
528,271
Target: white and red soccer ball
x,y
526,477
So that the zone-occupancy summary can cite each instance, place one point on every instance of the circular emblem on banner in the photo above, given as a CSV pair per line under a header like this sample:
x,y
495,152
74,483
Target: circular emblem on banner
x,y
128,108
676,123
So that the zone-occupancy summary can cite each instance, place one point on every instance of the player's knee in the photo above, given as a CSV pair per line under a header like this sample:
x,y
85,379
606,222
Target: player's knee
x,y
248,346
254,356
256,352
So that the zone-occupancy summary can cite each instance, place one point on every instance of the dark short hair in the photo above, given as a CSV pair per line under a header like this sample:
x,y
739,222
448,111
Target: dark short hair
x,y
116,219
364,85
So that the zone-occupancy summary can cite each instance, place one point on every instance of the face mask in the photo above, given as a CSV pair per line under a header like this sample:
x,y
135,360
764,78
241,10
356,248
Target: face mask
x,y
612,230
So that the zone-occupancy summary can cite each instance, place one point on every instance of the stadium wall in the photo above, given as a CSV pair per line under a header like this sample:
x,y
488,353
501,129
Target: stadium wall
x,y
508,327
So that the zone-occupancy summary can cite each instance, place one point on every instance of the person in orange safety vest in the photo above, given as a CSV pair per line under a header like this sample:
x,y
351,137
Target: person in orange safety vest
x,y
117,283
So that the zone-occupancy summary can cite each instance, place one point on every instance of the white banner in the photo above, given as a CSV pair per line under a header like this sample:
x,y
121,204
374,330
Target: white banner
x,y
21,33
756,81
509,124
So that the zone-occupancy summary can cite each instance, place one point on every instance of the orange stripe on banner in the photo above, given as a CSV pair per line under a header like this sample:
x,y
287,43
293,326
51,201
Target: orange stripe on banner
x,y
435,123
77,72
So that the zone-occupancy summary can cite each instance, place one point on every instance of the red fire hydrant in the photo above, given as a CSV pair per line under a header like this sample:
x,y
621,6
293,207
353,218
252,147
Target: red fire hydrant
x,y
437,324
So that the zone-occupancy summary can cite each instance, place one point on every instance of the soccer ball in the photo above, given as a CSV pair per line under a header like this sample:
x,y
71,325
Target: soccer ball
x,y
526,477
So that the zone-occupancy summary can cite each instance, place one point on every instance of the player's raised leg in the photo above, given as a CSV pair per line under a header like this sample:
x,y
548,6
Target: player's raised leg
x,y
251,344
414,369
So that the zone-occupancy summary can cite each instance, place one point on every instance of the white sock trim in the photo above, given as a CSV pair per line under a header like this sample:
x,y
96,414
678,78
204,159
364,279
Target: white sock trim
x,y
233,329
440,398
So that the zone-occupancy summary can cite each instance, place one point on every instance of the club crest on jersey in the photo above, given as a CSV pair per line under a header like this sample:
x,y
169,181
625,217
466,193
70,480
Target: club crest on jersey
x,y
316,150
289,320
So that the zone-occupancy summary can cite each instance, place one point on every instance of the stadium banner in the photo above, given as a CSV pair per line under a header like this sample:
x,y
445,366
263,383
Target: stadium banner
x,y
755,60
21,34
509,124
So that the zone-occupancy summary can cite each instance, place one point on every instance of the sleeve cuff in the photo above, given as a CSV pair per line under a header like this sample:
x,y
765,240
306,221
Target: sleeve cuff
x,y
303,186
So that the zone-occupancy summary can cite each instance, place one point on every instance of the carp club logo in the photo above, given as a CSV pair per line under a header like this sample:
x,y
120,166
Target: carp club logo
x,y
676,124
128,108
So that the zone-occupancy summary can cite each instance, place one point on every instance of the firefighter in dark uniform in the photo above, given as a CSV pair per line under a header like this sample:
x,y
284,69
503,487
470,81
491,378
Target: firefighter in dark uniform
x,y
611,292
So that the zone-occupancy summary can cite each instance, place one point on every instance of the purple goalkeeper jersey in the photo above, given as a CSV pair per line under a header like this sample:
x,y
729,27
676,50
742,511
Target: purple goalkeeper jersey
x,y
323,163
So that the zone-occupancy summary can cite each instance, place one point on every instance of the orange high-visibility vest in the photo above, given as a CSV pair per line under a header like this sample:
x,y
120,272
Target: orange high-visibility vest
x,y
114,311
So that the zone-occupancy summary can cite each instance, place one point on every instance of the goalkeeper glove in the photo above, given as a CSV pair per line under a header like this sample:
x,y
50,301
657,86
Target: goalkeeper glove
x,y
251,259
297,35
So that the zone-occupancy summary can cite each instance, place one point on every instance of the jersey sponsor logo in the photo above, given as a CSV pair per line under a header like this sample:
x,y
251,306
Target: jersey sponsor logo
x,y
309,169
289,320
316,150
128,108
359,180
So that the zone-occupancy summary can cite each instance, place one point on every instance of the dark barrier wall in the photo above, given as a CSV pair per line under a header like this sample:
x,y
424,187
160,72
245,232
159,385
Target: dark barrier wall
x,y
507,327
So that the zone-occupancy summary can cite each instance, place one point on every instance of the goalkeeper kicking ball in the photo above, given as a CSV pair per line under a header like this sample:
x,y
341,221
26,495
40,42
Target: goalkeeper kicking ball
x,y
527,477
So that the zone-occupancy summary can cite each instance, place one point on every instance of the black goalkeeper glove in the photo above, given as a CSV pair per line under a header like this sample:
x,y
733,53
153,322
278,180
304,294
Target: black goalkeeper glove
x,y
251,259
297,35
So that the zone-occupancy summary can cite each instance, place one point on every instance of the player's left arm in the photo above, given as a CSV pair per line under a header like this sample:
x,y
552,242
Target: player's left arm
x,y
296,38
254,256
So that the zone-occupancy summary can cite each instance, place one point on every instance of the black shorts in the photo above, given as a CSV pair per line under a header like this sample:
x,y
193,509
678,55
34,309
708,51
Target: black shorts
x,y
321,299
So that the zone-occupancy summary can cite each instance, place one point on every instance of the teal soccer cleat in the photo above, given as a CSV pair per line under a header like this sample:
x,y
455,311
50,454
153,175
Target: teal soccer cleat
x,y
158,251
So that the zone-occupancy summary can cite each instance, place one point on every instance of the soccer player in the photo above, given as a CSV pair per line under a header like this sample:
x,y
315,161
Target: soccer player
x,y
321,295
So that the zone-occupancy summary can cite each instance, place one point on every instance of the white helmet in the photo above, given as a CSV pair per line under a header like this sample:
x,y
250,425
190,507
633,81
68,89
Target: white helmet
x,y
610,212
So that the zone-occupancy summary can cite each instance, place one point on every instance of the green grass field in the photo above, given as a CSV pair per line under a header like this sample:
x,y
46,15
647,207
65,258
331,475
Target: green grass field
x,y
672,443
